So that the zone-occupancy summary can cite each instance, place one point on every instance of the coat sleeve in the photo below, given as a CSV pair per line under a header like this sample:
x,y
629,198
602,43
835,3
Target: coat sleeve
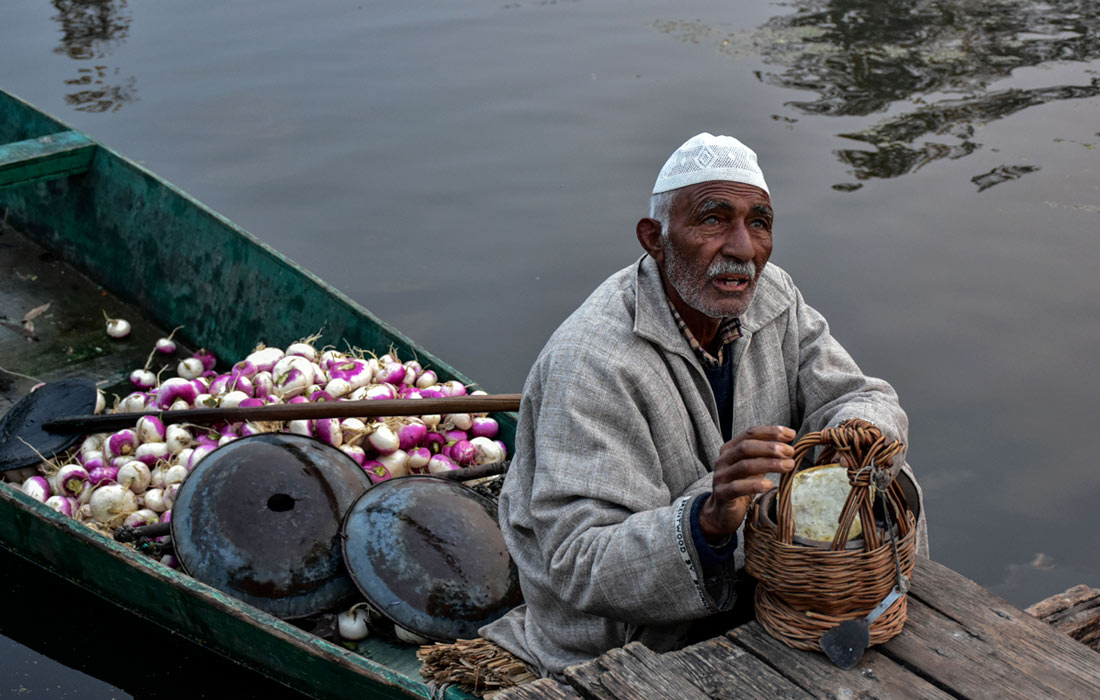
x,y
612,539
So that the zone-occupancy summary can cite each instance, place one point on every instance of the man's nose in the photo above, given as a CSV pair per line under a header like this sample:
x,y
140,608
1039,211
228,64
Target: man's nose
x,y
738,243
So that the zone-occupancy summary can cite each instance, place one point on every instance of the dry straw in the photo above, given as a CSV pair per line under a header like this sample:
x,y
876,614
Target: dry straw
x,y
477,666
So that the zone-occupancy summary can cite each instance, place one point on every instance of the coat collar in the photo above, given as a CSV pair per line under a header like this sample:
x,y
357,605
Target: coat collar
x,y
654,322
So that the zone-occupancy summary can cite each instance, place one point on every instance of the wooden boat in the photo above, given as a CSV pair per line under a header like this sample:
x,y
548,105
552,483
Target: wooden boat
x,y
86,230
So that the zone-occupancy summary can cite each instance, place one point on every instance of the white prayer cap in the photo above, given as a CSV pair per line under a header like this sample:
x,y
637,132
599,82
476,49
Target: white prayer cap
x,y
706,157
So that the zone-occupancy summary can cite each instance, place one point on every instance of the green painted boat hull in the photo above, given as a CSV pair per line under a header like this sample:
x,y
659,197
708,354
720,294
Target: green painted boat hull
x,y
182,264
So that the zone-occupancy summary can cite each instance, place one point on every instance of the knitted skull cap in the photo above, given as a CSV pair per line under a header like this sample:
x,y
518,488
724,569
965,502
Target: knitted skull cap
x,y
706,157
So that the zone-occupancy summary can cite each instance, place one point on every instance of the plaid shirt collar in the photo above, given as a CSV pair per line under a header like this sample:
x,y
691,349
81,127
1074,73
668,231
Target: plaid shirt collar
x,y
728,331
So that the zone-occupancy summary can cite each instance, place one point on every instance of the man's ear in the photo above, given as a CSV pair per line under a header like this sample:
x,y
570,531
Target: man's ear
x,y
649,235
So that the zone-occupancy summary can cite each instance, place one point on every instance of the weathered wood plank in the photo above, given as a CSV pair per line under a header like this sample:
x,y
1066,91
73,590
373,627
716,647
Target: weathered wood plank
x,y
875,676
721,669
1075,612
1017,643
56,155
632,672
1060,602
585,679
635,672
968,664
542,689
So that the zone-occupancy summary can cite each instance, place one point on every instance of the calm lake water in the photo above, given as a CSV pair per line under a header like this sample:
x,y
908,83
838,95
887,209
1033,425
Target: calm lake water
x,y
471,172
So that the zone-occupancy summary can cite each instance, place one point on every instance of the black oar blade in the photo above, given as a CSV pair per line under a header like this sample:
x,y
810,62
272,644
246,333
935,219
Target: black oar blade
x,y
845,643
21,432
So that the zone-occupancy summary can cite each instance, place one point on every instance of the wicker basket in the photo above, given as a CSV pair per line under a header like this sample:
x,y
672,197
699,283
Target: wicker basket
x,y
805,587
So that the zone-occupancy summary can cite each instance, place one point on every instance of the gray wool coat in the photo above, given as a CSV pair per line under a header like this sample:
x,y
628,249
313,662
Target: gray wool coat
x,y
618,429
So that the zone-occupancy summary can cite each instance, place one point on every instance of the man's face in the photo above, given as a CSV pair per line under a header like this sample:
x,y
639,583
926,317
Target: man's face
x,y
718,240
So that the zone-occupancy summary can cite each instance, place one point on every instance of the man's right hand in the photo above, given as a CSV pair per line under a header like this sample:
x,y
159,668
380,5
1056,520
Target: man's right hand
x,y
739,474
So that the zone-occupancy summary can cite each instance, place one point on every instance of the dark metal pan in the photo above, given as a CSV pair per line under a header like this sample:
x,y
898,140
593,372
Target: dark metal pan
x,y
429,555
259,519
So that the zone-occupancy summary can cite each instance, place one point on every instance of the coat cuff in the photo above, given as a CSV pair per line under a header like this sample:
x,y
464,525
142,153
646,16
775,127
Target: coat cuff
x,y
710,556
713,584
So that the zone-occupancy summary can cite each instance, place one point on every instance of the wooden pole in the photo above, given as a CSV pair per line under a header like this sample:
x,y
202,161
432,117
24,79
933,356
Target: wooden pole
x,y
482,403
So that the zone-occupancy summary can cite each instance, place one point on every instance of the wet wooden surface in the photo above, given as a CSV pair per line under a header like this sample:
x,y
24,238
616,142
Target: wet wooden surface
x,y
69,338
960,641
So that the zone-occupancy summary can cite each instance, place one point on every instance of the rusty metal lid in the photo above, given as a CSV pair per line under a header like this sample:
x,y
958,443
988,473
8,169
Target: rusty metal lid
x,y
429,555
259,519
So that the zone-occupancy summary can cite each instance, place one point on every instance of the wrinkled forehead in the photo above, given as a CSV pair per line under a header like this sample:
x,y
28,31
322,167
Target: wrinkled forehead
x,y
714,195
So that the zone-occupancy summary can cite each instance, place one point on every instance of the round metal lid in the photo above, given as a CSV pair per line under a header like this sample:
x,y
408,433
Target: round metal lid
x,y
22,437
429,555
259,519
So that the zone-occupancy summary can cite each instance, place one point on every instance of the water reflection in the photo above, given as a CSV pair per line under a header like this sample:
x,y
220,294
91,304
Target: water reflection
x,y
90,30
932,59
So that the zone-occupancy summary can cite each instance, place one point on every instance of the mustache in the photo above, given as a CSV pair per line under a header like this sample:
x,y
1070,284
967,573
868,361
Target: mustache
x,y
731,267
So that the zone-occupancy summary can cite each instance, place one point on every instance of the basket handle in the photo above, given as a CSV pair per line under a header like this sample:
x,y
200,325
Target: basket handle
x,y
859,446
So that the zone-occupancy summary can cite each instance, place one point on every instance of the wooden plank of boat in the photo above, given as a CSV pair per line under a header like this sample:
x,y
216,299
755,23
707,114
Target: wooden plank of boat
x,y
142,248
44,158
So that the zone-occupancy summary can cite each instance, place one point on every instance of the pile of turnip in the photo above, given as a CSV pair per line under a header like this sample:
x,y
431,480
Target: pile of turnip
x,y
131,477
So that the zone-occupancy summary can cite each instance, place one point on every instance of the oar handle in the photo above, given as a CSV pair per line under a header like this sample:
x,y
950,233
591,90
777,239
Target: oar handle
x,y
482,403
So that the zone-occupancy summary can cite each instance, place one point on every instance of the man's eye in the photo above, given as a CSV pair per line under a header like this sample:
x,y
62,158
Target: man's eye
x,y
711,220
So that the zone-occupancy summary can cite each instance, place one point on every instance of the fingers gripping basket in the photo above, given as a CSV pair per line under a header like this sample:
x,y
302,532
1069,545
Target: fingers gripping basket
x,y
807,587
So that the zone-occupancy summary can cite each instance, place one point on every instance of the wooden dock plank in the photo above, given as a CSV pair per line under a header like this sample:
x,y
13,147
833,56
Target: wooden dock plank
x,y
987,629
542,689
875,676
713,669
961,661
722,669
634,672
585,679
1075,612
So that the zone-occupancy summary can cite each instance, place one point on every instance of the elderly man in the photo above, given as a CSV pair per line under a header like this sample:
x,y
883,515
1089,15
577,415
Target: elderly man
x,y
657,411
